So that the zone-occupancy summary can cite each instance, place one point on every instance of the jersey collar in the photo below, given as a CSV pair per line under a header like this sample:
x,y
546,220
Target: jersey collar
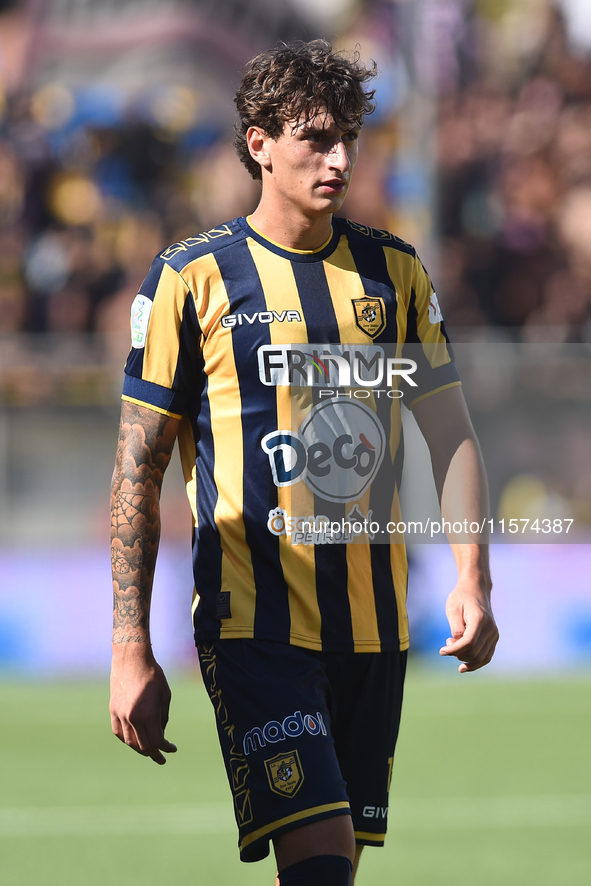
x,y
297,255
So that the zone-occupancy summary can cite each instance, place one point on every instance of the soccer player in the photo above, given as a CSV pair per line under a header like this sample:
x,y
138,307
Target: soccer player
x,y
302,640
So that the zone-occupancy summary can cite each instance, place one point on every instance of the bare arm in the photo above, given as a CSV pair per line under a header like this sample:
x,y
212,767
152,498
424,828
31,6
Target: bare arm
x,y
140,696
461,485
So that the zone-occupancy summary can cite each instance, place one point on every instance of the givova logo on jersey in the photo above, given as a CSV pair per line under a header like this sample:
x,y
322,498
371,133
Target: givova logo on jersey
x,y
337,450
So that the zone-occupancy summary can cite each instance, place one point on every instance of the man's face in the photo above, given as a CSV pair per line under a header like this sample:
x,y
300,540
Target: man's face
x,y
310,165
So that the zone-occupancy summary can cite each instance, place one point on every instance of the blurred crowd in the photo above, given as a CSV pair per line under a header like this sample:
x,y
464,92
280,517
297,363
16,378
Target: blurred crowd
x,y
93,183
481,147
87,201
514,178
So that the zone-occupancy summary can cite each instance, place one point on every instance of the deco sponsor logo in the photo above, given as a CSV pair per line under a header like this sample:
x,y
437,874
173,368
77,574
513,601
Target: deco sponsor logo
x,y
337,451
274,731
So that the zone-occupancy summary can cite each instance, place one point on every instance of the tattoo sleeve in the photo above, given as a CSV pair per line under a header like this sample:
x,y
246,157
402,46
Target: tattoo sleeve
x,y
146,440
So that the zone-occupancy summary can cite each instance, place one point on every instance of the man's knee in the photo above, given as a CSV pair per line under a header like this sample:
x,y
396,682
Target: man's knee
x,y
330,836
319,870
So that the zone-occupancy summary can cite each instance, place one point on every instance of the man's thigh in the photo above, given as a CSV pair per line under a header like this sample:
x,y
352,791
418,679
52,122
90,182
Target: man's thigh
x,y
367,690
272,703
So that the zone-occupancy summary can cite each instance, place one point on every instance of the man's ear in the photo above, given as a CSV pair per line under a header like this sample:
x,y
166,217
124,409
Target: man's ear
x,y
257,141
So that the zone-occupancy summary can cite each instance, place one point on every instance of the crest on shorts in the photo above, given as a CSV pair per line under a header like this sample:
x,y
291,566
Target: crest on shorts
x,y
285,773
370,315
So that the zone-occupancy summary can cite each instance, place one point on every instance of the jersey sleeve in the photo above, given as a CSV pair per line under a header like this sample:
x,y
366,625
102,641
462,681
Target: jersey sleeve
x,y
164,362
427,342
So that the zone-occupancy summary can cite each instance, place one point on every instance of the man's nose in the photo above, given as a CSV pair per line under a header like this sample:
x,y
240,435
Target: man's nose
x,y
339,156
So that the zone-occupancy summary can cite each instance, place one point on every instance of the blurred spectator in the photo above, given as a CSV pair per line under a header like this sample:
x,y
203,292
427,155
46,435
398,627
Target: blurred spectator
x,y
515,179
95,177
115,140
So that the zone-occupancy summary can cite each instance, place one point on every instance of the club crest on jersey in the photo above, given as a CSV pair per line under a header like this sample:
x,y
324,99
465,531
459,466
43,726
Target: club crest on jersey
x,y
370,315
285,774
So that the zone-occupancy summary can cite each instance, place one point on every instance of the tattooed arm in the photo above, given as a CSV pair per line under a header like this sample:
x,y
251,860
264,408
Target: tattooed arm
x,y
140,696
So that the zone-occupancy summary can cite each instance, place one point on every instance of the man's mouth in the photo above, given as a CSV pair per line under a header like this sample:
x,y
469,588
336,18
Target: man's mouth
x,y
334,185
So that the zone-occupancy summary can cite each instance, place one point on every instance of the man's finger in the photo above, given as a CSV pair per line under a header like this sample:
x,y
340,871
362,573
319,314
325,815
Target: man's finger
x,y
129,736
143,739
155,751
164,708
157,757
116,727
486,653
476,633
469,647
153,742
155,739
457,623
455,646
476,659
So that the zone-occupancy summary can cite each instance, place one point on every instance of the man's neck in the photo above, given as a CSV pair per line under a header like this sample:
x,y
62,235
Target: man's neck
x,y
292,232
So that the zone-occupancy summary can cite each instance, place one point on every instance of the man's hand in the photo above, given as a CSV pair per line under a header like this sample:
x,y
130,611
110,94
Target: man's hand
x,y
461,485
140,695
473,628
140,700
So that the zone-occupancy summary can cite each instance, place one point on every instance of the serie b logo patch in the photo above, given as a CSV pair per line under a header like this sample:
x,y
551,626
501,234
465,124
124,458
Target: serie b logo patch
x,y
370,315
140,314
285,773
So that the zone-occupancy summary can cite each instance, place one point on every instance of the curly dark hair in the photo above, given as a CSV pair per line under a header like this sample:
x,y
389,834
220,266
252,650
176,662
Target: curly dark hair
x,y
295,82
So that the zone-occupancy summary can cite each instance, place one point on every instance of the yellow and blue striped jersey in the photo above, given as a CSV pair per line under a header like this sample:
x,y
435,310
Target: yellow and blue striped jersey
x,y
209,307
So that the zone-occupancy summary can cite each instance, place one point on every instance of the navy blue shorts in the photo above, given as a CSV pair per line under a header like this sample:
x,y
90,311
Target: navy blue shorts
x,y
305,735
